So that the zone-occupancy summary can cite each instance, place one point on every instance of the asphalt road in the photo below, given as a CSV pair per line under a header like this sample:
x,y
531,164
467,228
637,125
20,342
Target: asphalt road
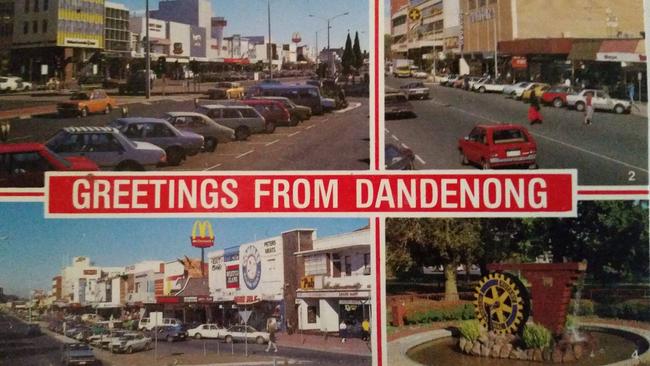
x,y
334,141
18,349
612,151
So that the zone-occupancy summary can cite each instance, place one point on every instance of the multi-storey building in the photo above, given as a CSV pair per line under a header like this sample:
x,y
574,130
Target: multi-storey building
x,y
117,39
6,33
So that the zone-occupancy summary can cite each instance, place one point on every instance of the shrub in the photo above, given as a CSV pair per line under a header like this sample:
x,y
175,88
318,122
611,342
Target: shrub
x,y
470,330
581,307
536,336
453,311
638,309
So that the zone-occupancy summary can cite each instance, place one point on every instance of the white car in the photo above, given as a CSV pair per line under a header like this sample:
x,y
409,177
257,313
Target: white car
x,y
205,331
509,89
129,343
600,100
13,83
489,86
517,92
239,333
420,74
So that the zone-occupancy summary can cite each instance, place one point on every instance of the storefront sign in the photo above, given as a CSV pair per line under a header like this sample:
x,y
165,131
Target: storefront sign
x,y
217,262
269,247
90,272
620,57
197,41
415,14
178,48
80,42
307,283
232,276
481,15
252,267
519,62
242,300
332,294
202,234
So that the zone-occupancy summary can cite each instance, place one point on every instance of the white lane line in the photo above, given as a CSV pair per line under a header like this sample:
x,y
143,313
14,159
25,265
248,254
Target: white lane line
x,y
212,167
418,158
310,127
293,134
271,143
537,134
351,106
394,137
405,146
244,154
386,130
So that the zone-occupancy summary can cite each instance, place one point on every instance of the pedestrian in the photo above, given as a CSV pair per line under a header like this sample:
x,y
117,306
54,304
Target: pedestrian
x,y
272,339
343,331
630,91
365,329
589,108
534,115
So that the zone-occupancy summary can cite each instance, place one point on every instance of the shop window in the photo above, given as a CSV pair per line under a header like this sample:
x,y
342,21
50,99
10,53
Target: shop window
x,y
35,26
46,5
366,264
137,287
336,265
36,6
348,265
26,6
44,26
312,314
25,27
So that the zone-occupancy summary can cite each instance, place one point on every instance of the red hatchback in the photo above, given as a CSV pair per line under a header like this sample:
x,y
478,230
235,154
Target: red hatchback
x,y
273,112
493,146
556,95
24,164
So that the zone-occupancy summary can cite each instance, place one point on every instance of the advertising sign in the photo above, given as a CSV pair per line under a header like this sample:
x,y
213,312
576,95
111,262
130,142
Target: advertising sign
x,y
232,276
202,234
197,42
252,266
519,62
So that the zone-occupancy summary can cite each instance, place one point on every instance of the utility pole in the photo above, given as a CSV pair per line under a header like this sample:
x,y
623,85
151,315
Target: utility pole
x,y
496,42
270,51
147,52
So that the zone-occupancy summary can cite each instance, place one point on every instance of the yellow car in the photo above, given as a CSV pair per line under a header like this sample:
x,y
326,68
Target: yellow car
x,y
539,88
402,72
227,90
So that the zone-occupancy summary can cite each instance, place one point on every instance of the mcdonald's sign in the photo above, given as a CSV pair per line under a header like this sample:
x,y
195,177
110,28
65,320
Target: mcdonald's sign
x,y
202,234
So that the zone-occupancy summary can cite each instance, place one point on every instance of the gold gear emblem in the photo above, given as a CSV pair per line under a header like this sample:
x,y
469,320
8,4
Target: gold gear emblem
x,y
415,14
502,303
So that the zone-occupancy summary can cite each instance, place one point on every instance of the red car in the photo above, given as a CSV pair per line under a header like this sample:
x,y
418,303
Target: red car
x,y
492,146
273,112
24,164
556,95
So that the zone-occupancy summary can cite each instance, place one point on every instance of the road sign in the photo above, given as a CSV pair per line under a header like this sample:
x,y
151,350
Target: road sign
x,y
415,14
245,314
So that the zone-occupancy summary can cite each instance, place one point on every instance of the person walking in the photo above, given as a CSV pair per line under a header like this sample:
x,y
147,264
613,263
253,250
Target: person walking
x,y
343,331
630,91
272,340
589,109
534,115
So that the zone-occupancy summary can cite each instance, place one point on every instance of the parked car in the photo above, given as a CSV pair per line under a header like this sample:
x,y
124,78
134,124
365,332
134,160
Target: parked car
x,y
298,113
397,105
402,72
85,102
508,90
329,104
273,112
146,324
244,120
226,90
446,79
205,331
556,95
77,354
600,101
107,339
420,74
107,147
239,333
177,144
398,158
212,132
25,164
471,80
501,145
129,343
517,91
415,90
13,83
538,88
170,333
488,86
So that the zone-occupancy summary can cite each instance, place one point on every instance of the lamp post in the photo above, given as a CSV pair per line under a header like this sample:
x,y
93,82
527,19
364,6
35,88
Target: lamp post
x,y
496,42
329,20
147,52
270,50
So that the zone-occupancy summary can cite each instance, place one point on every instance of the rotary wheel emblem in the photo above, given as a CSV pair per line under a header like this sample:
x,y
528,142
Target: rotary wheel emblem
x,y
415,14
502,303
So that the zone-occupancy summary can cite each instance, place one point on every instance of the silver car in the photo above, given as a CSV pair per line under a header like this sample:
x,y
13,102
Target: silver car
x,y
130,342
212,132
177,144
243,119
107,147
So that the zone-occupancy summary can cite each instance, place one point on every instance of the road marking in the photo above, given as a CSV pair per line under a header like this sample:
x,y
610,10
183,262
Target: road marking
x,y
405,146
418,158
244,154
271,143
212,167
604,157
310,127
350,107
293,134
395,137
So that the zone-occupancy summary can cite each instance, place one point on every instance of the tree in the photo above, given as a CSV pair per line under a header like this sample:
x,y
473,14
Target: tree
x,y
356,49
434,242
388,43
347,60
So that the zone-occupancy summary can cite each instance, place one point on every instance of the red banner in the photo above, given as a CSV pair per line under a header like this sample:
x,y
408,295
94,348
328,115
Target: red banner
x,y
491,193
232,276
519,62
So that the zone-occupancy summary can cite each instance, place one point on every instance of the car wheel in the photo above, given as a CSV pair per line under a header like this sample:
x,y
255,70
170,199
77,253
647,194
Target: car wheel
x,y
270,127
197,336
129,349
513,94
294,121
481,90
463,158
175,155
485,165
170,339
129,166
108,109
580,106
260,340
558,103
26,88
210,144
242,133
619,109
84,112
228,339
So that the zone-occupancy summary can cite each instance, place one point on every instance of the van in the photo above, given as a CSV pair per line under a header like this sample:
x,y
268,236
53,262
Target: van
x,y
305,95
146,323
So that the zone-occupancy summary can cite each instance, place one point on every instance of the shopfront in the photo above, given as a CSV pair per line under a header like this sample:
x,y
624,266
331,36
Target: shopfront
x,y
323,311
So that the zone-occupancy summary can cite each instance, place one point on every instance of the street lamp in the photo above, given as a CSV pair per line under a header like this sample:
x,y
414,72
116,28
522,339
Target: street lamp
x,y
147,52
329,20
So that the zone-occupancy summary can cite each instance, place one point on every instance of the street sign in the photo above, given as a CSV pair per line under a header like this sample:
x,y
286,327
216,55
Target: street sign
x,y
245,314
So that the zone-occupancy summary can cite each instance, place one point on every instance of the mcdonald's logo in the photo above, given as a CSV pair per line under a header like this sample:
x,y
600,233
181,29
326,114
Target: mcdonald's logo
x,y
202,234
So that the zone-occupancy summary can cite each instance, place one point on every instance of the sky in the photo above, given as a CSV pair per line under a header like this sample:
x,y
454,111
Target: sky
x,y
249,18
33,249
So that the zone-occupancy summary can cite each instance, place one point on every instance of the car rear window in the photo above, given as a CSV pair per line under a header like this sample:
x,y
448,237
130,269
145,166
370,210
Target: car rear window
x,y
395,98
248,113
509,136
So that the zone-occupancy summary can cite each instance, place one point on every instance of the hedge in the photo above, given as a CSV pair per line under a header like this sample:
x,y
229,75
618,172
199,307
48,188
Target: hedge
x,y
455,312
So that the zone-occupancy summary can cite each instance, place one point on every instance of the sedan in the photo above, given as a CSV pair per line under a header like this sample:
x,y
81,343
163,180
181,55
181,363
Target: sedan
x,y
415,90
212,132
502,145
240,333
205,331
129,343
397,105
83,103
177,144
556,95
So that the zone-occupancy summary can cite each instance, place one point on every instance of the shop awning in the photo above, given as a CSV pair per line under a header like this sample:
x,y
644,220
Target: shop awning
x,y
622,50
334,248
585,49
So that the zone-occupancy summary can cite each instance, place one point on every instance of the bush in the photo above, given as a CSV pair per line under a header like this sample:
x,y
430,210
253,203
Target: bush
x,y
581,307
536,336
638,309
454,311
470,330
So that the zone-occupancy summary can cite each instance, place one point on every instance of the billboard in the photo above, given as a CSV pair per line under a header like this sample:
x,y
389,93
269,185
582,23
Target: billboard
x,y
197,42
232,276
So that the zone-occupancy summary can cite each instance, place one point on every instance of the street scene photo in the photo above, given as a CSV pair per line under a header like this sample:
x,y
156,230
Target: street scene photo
x,y
192,85
495,84
520,292
184,291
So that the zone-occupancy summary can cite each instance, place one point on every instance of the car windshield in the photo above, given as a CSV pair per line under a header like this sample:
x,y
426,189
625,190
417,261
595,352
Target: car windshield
x,y
509,136
395,98
80,96
58,158
79,347
558,89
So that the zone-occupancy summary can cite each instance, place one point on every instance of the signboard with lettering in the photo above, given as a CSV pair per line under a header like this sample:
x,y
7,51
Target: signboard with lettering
x,y
232,276
519,62
307,283
197,41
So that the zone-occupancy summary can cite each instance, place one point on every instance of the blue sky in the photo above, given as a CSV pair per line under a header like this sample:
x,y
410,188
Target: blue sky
x,y
249,17
33,249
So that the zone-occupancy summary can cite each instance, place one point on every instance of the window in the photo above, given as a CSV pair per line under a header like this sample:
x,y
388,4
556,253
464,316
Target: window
x,y
312,314
471,4
336,265
348,265
26,6
46,5
35,26
399,20
36,6
44,26
231,113
28,162
25,27
248,113
366,264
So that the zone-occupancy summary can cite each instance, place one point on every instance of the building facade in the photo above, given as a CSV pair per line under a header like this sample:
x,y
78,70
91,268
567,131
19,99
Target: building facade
x,y
6,33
